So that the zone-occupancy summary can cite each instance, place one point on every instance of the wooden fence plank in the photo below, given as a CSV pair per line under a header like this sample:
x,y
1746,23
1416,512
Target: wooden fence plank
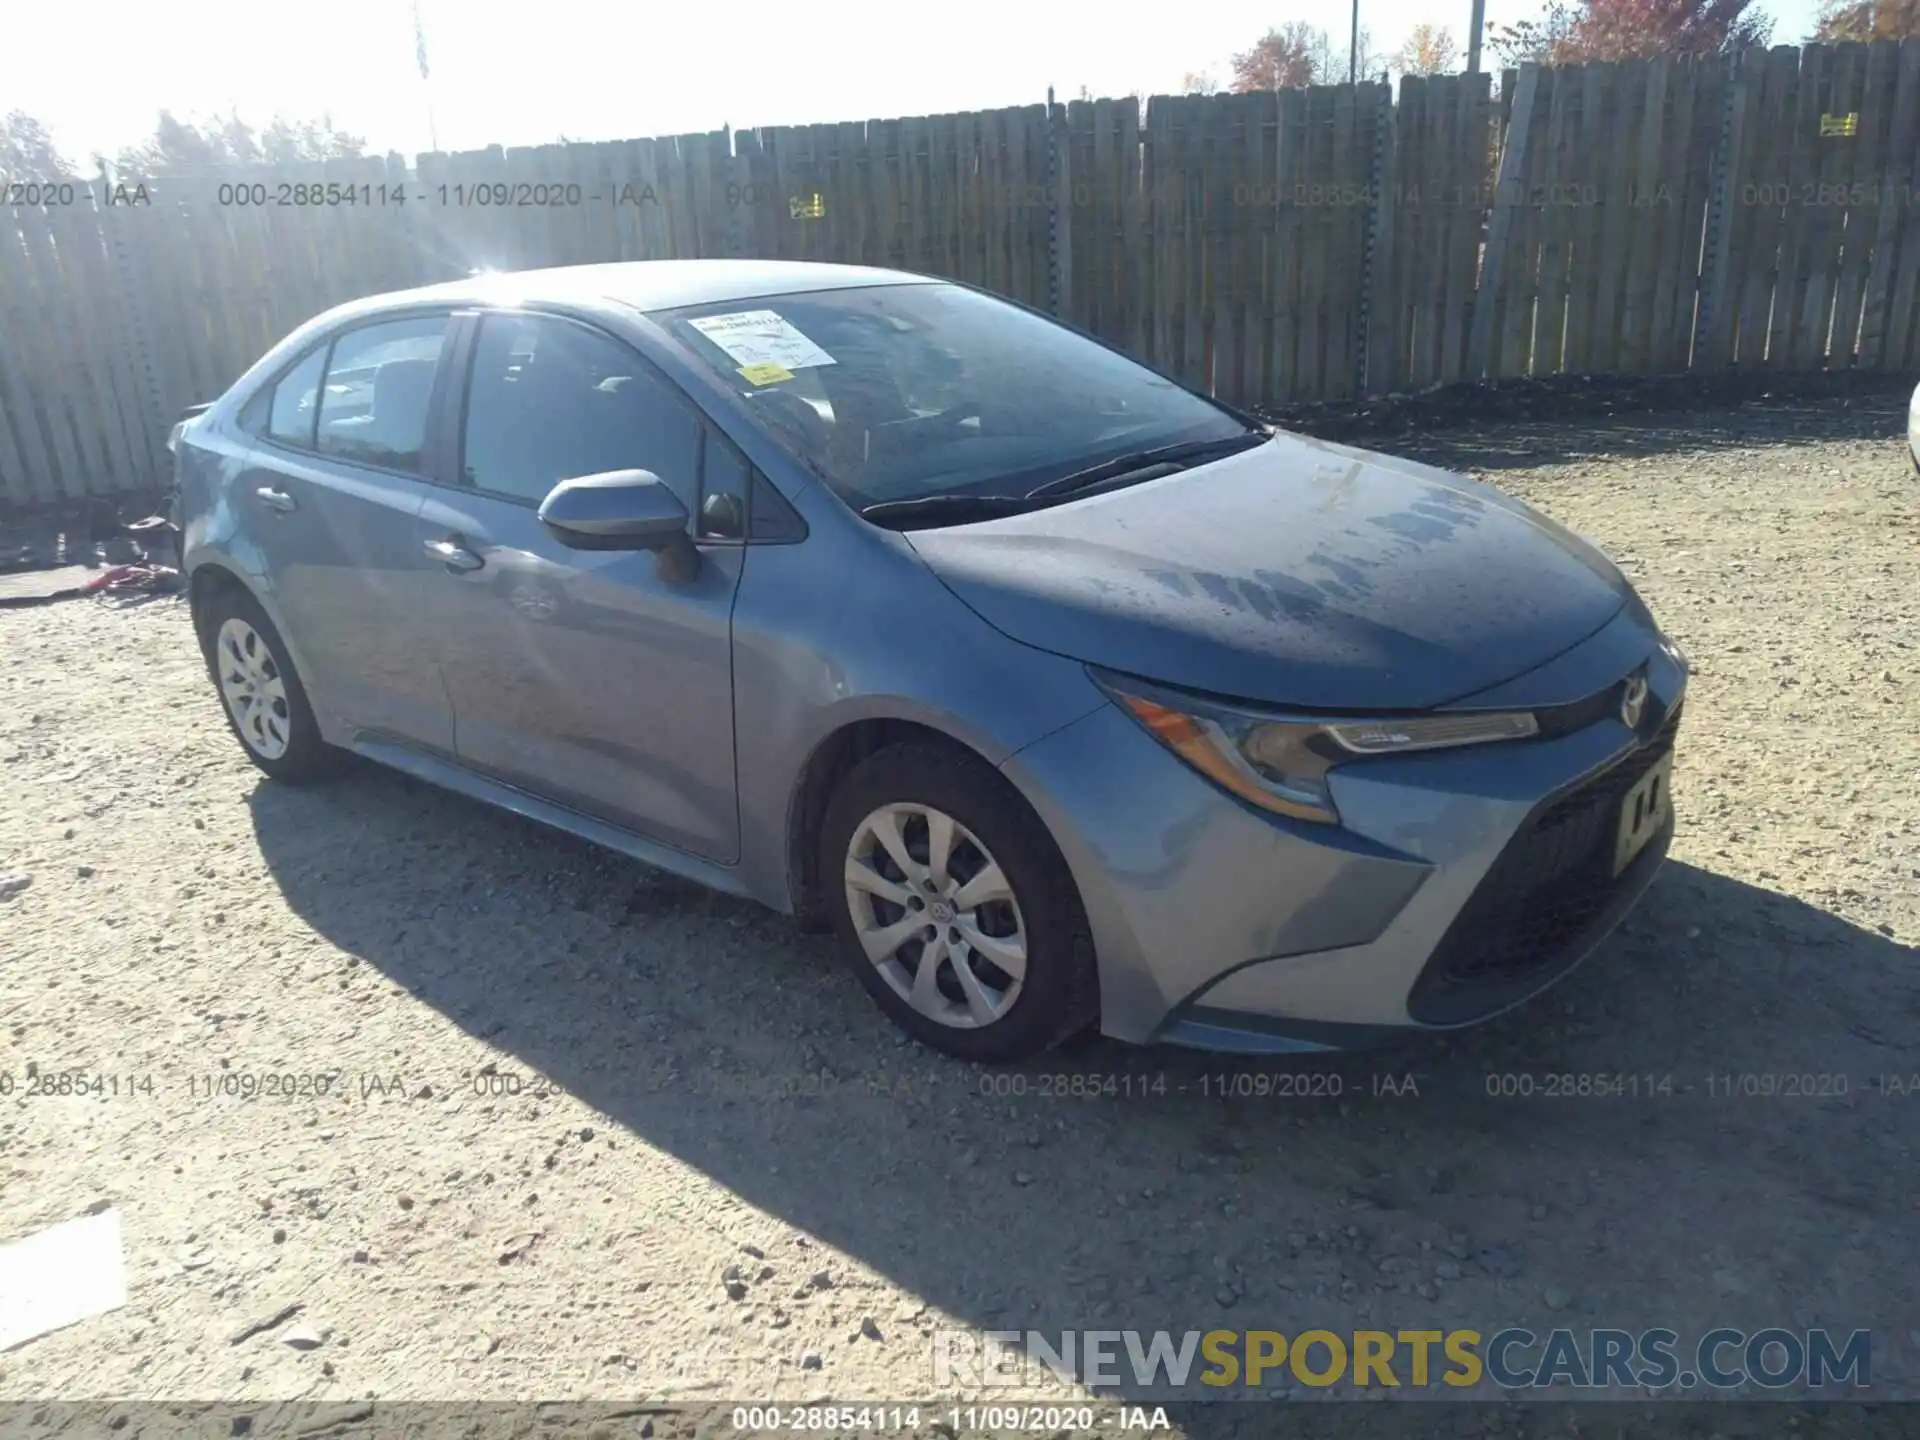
x,y
1889,319
116,386
1643,215
1803,119
1826,206
56,376
1900,102
1564,208
1858,222
1481,351
88,321
40,477
1699,102
1130,214
1254,203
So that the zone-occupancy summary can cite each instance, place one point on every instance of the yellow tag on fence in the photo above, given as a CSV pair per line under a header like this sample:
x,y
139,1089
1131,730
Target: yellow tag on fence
x,y
1848,124
766,373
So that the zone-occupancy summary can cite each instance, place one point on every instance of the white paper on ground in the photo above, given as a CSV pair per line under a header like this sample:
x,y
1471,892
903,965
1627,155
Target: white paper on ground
x,y
61,1275
761,337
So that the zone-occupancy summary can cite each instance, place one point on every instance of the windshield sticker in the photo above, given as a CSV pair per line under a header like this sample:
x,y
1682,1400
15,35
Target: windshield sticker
x,y
761,337
766,373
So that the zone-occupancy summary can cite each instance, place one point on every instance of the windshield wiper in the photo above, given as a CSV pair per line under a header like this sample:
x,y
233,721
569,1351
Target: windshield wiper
x,y
1122,466
946,508
957,508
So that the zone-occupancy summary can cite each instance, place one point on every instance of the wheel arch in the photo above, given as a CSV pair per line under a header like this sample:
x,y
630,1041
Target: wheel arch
x,y
830,761
206,581
213,577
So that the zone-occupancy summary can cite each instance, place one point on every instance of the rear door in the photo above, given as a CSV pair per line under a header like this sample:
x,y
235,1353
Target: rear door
x,y
586,676
333,492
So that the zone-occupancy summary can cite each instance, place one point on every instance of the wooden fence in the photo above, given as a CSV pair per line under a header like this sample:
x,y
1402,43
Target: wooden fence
x,y
1755,212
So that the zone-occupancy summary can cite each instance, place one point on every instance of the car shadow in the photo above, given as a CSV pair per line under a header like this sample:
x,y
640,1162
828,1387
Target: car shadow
x,y
1109,1186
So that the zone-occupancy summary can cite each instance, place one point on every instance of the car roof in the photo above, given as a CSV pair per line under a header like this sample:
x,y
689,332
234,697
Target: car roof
x,y
642,284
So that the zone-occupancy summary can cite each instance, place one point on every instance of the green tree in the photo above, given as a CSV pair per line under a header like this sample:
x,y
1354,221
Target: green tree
x,y
27,151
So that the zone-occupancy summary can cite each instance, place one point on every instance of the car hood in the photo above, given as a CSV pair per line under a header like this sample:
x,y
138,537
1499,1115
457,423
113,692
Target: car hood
x,y
1300,573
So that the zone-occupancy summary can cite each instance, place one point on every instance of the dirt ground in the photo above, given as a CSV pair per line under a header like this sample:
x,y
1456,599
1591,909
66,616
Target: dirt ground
x,y
591,1133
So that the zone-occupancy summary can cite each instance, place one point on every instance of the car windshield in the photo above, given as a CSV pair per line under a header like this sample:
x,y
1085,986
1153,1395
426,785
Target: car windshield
x,y
897,393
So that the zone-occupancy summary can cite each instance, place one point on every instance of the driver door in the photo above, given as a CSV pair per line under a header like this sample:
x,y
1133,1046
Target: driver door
x,y
585,677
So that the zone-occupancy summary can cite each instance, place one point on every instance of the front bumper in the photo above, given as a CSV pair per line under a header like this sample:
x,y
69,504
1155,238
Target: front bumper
x,y
1459,883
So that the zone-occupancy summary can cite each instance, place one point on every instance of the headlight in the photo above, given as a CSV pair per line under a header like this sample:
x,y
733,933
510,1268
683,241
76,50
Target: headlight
x,y
1281,765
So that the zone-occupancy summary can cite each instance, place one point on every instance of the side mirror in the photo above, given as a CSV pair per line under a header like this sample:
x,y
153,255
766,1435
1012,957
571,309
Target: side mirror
x,y
617,510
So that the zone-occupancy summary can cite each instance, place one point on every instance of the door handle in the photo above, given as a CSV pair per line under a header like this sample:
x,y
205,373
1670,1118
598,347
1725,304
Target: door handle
x,y
453,555
276,499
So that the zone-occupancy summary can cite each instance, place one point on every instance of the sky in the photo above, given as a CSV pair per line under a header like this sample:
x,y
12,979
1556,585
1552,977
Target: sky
x,y
530,73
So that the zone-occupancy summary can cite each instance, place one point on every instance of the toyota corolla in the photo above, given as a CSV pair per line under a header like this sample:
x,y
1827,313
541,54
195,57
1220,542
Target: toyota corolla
x,y
1067,696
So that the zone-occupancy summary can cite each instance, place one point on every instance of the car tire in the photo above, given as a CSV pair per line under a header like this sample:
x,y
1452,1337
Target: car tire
x,y
973,921
260,691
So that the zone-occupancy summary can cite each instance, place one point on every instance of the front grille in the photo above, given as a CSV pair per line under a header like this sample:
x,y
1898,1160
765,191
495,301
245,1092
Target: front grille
x,y
1551,887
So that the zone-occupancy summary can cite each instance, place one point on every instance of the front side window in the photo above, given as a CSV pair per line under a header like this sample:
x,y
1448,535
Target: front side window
x,y
379,384
898,392
291,410
551,400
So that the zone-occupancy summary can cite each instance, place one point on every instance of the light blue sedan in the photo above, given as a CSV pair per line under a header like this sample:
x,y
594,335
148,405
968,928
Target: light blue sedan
x,y
1067,696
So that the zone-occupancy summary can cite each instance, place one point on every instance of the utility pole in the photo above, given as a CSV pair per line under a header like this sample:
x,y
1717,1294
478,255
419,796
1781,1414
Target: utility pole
x,y
1474,27
420,56
1353,46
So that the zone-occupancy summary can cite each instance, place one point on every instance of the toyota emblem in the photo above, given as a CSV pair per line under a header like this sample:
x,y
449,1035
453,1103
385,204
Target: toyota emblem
x,y
1633,701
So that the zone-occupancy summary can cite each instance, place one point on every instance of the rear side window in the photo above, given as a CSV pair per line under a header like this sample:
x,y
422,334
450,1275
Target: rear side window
x,y
551,400
373,408
295,402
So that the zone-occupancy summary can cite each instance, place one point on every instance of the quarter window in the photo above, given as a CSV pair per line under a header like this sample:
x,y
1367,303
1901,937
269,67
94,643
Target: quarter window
x,y
379,384
551,400
725,480
290,415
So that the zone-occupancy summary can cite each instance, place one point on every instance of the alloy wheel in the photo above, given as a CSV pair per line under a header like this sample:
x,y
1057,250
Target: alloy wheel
x,y
252,686
936,915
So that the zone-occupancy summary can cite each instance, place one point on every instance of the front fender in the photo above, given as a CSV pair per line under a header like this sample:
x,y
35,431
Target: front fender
x,y
814,654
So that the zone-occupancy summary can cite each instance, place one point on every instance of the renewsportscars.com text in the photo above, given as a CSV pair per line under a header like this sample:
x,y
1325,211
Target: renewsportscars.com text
x,y
1513,1358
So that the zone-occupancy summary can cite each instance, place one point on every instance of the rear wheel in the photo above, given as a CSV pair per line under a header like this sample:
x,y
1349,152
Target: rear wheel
x,y
954,906
265,704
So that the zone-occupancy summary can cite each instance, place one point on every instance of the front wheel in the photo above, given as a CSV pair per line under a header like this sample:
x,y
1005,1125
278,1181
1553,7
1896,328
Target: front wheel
x,y
954,906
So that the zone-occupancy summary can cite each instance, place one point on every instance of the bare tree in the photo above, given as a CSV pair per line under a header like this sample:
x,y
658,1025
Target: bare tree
x,y
1373,62
1198,82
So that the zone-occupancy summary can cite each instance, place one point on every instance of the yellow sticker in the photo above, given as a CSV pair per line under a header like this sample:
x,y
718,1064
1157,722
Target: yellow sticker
x,y
766,373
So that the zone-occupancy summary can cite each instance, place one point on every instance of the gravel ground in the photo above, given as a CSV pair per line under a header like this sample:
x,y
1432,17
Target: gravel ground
x,y
595,1134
